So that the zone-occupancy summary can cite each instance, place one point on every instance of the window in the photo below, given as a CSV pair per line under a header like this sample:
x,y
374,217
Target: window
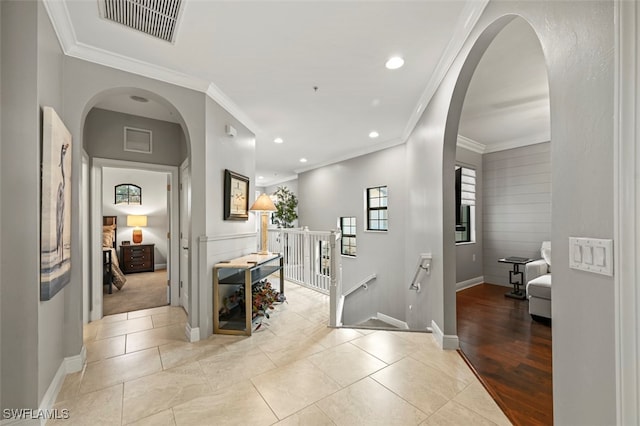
x,y
128,193
377,219
324,257
465,204
348,241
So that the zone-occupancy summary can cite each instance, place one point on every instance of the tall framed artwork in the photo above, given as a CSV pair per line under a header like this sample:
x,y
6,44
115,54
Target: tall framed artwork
x,y
236,196
55,215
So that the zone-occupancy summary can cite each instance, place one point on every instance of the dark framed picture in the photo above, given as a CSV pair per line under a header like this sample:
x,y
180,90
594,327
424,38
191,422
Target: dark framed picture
x,y
236,196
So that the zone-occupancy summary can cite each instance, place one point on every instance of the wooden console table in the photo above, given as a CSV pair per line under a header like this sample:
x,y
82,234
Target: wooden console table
x,y
243,271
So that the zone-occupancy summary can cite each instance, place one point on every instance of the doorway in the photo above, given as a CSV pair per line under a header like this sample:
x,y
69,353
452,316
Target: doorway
x,y
160,207
504,135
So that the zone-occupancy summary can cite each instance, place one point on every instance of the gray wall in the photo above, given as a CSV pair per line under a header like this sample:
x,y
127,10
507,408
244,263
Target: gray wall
x,y
469,255
577,40
104,138
292,185
517,206
85,83
327,193
59,319
20,244
35,335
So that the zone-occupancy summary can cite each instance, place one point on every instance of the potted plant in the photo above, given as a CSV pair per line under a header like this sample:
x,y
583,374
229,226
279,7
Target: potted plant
x,y
286,204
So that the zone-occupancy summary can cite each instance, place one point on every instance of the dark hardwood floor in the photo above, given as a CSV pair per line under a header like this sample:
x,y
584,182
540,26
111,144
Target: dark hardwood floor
x,y
509,351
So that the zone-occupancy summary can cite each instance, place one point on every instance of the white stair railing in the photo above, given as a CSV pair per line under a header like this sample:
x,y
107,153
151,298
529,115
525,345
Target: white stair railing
x,y
308,256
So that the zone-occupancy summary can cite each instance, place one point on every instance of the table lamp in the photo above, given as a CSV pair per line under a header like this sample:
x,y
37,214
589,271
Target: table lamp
x,y
264,205
137,221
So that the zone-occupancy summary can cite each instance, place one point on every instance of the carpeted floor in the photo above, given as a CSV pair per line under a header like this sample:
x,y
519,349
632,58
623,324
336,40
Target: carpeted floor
x,y
142,291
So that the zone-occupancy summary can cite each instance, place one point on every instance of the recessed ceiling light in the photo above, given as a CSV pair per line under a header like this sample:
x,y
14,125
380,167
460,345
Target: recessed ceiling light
x,y
138,98
394,63
278,140
374,134
303,160
260,177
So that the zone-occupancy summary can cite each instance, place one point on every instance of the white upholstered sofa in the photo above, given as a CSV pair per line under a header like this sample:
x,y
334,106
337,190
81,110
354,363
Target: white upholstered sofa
x,y
538,276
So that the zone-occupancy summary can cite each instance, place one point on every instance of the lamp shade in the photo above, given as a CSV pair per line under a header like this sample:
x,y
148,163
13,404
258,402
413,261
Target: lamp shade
x,y
263,204
136,220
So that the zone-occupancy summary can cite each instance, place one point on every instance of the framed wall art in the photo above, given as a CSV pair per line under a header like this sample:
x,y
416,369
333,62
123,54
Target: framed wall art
x,y
236,196
55,230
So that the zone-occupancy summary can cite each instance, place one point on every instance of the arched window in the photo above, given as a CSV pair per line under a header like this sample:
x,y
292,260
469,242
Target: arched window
x,y
128,193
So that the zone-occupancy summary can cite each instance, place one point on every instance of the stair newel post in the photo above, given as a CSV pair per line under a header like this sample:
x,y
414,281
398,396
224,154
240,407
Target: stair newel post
x,y
335,288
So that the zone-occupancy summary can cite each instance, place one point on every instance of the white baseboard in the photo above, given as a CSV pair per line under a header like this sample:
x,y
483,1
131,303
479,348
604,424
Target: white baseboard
x,y
469,283
392,321
193,334
447,342
68,365
159,266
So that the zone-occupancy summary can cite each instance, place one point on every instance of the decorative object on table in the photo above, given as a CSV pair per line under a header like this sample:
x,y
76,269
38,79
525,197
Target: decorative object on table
x,y
55,233
286,203
264,205
236,196
126,242
128,193
137,221
263,297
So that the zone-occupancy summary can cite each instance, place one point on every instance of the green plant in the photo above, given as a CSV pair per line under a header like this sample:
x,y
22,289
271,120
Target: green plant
x,y
286,204
263,299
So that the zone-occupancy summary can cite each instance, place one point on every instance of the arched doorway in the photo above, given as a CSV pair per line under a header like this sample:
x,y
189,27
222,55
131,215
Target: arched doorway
x,y
112,124
500,109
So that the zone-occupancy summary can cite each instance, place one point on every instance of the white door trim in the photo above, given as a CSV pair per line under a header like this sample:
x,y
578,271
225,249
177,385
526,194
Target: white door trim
x,y
626,210
96,216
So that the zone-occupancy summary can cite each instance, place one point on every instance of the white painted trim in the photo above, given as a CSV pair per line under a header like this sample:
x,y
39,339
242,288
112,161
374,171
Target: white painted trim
x,y
446,342
207,239
192,334
68,365
159,266
59,16
392,321
626,150
469,283
470,144
354,154
517,143
75,363
468,19
266,182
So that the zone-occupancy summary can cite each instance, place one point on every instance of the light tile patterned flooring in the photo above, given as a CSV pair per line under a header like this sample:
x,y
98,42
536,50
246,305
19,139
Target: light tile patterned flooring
x,y
295,371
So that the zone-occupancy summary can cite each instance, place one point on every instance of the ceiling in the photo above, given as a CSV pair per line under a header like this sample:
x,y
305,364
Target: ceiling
x,y
309,72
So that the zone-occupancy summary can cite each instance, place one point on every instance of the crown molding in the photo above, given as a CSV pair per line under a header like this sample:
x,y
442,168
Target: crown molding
x,y
470,144
353,154
517,143
470,16
277,181
61,21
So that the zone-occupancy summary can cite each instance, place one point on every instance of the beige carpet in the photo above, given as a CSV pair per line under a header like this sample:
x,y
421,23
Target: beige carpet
x,y
142,290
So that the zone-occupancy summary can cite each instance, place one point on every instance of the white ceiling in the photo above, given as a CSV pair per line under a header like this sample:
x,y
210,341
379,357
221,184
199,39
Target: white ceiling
x,y
262,59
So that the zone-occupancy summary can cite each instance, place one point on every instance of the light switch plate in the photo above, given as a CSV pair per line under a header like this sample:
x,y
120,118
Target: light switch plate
x,y
591,255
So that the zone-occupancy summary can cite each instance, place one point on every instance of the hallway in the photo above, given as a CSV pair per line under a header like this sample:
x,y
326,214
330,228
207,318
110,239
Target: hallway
x,y
140,370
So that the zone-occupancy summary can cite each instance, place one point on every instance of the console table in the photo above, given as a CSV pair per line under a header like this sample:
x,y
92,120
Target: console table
x,y
243,271
516,277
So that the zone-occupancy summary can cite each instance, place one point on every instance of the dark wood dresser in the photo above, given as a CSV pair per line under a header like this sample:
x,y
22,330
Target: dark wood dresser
x,y
137,258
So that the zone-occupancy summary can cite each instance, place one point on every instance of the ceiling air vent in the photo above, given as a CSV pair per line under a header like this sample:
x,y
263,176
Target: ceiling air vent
x,y
157,18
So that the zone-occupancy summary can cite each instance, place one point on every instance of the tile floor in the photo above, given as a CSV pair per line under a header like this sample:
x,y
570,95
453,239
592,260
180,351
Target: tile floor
x,y
141,371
